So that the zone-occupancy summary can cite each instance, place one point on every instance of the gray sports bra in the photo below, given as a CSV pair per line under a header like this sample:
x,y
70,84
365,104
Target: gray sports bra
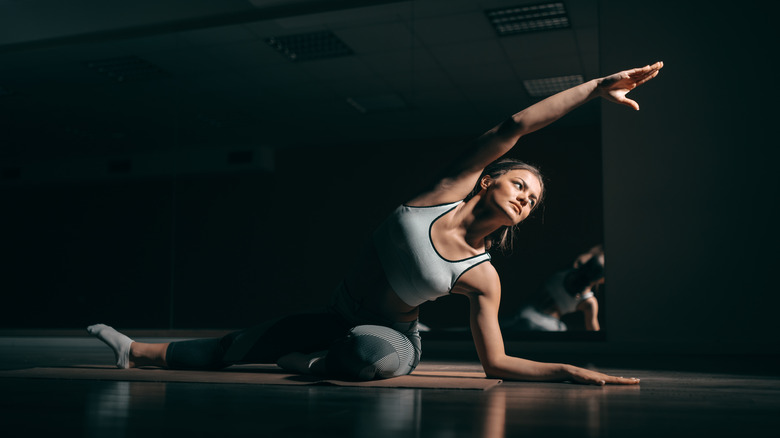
x,y
415,270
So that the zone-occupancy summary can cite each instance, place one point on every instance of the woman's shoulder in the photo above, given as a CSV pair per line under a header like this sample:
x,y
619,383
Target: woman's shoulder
x,y
447,190
481,279
432,199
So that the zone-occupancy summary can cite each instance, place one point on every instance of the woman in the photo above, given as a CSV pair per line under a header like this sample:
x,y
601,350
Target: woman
x,y
434,244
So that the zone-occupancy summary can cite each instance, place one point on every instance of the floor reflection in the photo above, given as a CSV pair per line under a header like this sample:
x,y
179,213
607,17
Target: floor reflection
x,y
112,408
564,409
396,413
120,409
494,425
107,410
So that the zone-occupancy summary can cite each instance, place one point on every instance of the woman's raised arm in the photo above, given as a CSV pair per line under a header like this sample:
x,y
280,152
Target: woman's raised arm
x,y
459,180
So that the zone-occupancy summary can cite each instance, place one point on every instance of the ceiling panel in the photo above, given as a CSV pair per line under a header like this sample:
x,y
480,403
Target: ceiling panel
x,y
544,67
452,56
553,43
453,28
378,38
223,84
343,67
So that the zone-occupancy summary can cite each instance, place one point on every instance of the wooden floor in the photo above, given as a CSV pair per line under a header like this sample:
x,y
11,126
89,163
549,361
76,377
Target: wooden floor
x,y
734,397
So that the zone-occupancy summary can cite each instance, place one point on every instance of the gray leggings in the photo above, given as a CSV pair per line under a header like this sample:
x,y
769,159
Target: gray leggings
x,y
354,352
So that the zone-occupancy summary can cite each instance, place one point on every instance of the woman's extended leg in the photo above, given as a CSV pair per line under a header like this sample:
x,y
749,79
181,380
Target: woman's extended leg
x,y
128,353
144,354
297,342
266,343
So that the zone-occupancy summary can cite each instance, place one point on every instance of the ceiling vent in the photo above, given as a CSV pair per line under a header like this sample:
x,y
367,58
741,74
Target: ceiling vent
x,y
308,46
528,18
549,86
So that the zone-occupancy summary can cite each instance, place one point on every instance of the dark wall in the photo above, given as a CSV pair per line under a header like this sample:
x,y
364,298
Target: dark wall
x,y
225,250
690,179
133,252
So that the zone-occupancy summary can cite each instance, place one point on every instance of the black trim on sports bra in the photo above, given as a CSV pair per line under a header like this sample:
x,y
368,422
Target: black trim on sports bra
x,y
431,206
467,270
430,239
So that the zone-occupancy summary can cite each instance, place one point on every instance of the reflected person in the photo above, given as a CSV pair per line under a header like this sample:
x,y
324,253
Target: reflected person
x,y
566,292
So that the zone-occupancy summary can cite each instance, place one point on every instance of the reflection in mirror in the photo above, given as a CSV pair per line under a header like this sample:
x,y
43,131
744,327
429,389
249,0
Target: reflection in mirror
x,y
563,294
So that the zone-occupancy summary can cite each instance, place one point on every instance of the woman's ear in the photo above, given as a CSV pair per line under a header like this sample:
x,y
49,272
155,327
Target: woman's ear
x,y
485,182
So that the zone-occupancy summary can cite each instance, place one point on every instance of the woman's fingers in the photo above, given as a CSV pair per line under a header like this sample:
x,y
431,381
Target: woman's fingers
x,y
596,378
622,380
648,68
615,87
647,78
629,102
619,96
644,74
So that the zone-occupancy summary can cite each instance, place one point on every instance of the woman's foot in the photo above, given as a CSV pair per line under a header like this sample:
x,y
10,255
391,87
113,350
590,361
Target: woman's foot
x,y
117,341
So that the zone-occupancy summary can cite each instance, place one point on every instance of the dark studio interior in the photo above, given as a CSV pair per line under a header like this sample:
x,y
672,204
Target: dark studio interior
x,y
168,169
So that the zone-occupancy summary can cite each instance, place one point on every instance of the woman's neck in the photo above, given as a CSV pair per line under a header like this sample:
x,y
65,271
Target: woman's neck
x,y
477,222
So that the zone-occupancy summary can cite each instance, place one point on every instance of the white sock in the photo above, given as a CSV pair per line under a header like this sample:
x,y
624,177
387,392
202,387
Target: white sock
x,y
117,341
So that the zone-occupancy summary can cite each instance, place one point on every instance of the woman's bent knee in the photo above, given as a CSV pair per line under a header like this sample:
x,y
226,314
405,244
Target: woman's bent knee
x,y
372,352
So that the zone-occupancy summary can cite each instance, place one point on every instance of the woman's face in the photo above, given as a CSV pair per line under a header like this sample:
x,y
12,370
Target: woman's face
x,y
514,193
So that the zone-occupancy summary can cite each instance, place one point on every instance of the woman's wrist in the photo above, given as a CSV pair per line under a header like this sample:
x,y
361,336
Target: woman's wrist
x,y
566,371
595,87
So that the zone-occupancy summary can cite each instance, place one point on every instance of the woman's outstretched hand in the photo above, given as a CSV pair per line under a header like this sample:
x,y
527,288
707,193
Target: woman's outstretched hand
x,y
615,87
589,377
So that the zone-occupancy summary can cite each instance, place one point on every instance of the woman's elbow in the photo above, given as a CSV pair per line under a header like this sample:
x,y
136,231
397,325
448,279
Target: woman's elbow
x,y
513,127
494,368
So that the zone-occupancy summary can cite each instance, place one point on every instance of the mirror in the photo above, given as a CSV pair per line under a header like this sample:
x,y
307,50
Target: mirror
x,y
169,169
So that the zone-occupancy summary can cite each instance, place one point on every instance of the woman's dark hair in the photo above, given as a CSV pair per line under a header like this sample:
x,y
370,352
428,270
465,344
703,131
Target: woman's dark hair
x,y
585,274
502,238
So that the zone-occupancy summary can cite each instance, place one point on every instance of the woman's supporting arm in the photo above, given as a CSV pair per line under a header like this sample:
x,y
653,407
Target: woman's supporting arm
x,y
490,348
590,310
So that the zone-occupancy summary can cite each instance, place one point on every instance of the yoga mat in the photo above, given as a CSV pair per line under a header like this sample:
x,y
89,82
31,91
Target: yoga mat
x,y
255,375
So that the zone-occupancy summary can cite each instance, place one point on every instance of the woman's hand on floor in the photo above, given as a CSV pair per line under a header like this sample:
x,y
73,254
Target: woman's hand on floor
x,y
589,377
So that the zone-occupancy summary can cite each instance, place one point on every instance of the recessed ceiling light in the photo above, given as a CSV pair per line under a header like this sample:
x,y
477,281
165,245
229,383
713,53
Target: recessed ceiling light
x,y
125,68
549,86
528,18
306,46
